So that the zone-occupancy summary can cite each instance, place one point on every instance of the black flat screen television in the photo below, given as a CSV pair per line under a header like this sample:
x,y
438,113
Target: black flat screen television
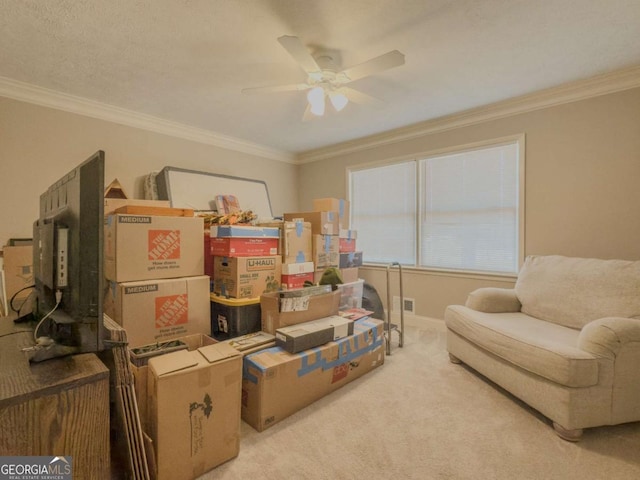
x,y
68,263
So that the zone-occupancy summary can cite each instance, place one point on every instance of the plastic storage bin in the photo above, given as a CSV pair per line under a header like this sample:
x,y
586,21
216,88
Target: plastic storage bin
x,y
351,294
233,317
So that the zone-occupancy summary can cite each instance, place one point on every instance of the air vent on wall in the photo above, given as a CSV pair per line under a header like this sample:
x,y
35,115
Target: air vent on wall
x,y
408,306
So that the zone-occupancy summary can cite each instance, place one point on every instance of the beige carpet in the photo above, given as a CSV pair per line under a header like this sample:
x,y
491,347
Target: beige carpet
x,y
421,417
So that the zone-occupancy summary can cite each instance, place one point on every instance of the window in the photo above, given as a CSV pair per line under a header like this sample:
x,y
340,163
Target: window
x,y
459,210
383,202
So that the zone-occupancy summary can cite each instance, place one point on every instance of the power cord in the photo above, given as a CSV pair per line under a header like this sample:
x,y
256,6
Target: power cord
x,y
35,331
14,297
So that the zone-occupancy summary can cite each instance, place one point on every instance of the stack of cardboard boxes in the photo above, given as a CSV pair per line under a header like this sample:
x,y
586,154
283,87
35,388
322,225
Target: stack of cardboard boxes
x,y
157,290
154,268
348,258
246,263
281,380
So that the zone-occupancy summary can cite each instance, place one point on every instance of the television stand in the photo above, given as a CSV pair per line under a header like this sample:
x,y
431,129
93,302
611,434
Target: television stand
x,y
59,407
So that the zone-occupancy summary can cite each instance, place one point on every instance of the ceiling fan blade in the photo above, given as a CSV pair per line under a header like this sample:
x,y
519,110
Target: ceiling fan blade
x,y
299,52
357,96
277,88
375,65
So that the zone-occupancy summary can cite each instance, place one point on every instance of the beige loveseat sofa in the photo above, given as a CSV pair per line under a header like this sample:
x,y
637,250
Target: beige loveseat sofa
x,y
565,340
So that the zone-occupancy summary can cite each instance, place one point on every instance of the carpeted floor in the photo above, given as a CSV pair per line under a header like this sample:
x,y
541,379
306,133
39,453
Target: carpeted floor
x,y
421,417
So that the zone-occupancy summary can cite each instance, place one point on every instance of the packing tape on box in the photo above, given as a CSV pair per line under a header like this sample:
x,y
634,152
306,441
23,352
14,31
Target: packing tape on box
x,y
344,346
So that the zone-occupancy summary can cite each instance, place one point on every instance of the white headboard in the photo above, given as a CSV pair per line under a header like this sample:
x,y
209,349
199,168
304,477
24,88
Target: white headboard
x,y
197,190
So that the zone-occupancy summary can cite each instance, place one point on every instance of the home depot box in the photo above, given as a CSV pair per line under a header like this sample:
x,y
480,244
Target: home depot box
x,y
194,409
301,309
244,240
294,275
18,274
326,251
304,336
146,247
336,205
232,317
156,310
322,223
246,277
277,383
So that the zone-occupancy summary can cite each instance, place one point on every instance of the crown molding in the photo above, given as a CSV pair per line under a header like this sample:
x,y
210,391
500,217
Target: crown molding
x,y
607,83
61,101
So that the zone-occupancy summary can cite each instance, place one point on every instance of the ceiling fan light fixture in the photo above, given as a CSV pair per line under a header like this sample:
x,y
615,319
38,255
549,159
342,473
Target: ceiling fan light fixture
x,y
316,100
338,100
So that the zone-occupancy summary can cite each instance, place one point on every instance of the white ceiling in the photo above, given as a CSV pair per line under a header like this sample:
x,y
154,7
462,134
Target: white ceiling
x,y
187,61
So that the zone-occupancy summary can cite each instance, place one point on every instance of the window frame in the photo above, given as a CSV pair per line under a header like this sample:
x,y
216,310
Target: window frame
x,y
517,139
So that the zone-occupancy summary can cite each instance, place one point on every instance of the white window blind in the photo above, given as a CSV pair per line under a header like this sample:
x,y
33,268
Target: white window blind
x,y
468,217
383,209
469,210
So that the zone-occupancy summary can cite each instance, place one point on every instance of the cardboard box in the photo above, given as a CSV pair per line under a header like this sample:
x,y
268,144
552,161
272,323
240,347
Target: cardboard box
x,y
146,247
157,310
18,274
326,251
139,359
336,205
311,307
312,334
322,223
348,234
112,204
208,258
294,275
251,342
233,317
350,259
243,247
277,383
246,277
244,231
295,240
349,275
244,240
347,245
194,410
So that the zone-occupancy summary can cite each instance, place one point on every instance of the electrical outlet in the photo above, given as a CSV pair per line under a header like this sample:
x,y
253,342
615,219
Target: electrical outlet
x,y
408,307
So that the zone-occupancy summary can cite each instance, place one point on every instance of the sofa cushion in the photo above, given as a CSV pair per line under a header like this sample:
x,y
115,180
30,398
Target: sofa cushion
x,y
543,348
574,291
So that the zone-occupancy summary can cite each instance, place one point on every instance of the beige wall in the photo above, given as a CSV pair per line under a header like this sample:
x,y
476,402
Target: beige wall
x,y
582,172
39,145
582,187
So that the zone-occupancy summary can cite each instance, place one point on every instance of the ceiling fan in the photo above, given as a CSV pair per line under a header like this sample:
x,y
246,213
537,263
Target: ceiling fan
x,y
325,80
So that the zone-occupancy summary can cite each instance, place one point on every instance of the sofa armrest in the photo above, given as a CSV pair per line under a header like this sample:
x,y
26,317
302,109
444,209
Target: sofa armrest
x,y
608,336
493,300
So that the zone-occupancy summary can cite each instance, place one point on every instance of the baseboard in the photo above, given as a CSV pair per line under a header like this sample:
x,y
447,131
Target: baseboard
x,y
411,320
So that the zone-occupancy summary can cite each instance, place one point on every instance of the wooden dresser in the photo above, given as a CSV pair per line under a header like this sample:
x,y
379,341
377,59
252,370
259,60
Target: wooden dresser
x,y
57,407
